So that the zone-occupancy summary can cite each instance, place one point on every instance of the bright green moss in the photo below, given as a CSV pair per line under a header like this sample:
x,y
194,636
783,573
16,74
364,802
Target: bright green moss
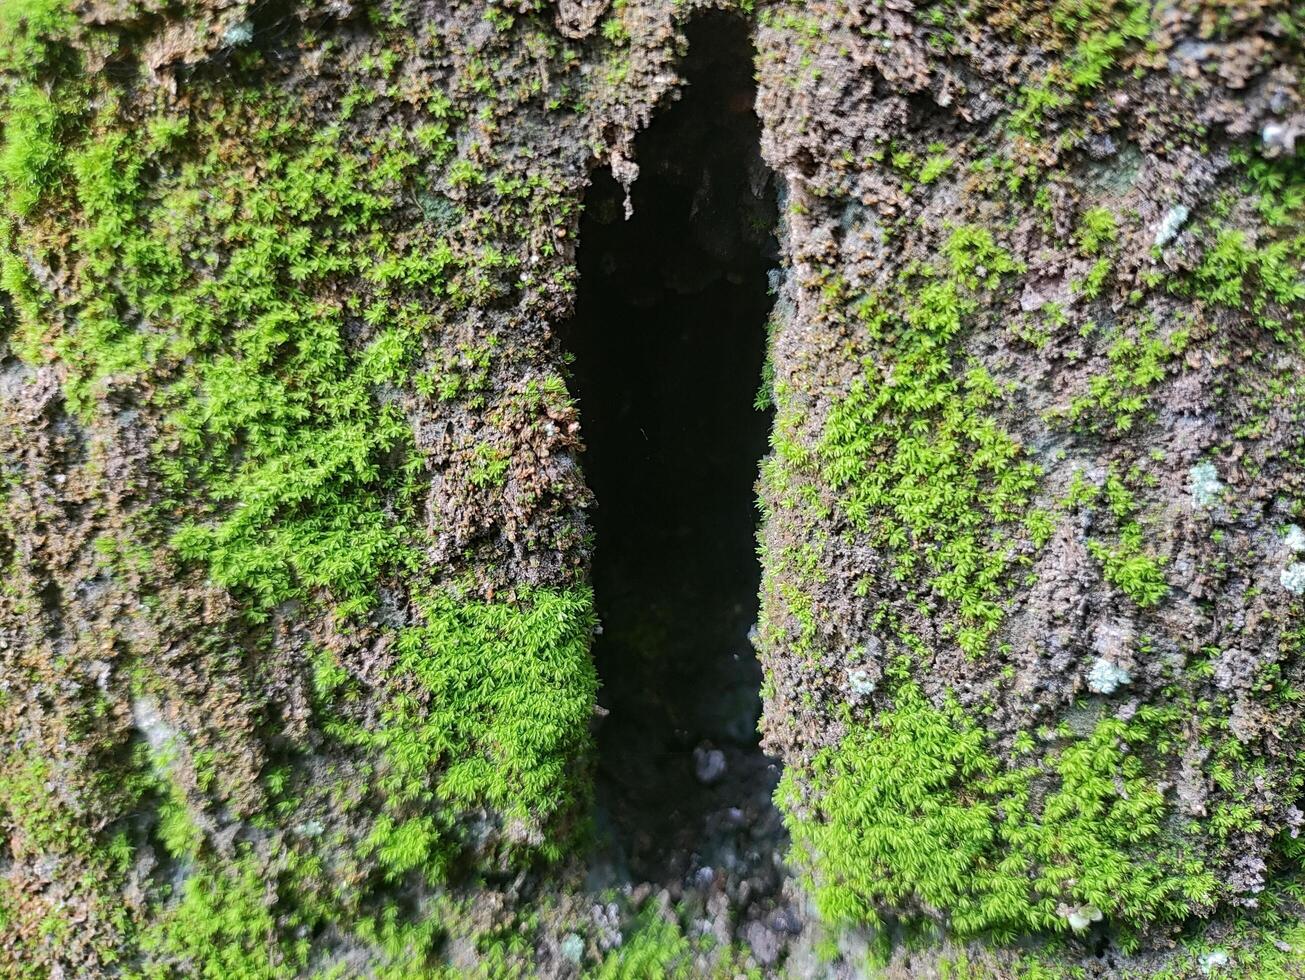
x,y
1137,360
1129,567
37,109
491,709
38,820
1125,561
251,278
1090,286
912,809
1264,280
919,463
1097,232
1097,33
29,31
1260,274
177,830
31,155
489,466
1097,229
934,167
228,924
1225,269
280,434
656,948
1278,186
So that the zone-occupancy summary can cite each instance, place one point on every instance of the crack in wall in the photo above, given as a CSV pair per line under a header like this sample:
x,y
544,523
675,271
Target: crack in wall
x,y
669,343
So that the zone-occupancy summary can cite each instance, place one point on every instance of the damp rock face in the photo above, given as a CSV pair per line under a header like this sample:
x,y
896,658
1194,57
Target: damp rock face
x,y
296,604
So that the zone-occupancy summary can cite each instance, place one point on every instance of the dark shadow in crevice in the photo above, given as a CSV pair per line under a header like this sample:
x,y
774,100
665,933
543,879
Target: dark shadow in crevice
x,y
669,340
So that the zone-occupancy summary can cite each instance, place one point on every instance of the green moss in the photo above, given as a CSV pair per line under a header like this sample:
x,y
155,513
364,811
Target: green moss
x,y
1125,561
38,820
278,437
176,828
912,809
408,946
32,154
1130,568
934,167
80,829
1266,941
1097,229
30,32
1090,286
1097,34
40,108
489,466
919,464
1278,186
490,709
1264,280
656,948
1137,360
228,924
263,285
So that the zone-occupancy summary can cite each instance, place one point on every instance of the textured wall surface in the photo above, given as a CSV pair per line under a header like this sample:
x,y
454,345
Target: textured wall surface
x,y
294,601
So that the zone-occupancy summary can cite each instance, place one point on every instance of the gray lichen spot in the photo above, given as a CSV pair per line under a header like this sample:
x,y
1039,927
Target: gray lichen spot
x,y
859,682
1216,959
1295,538
1171,224
1106,677
1204,484
238,34
149,721
572,948
1293,578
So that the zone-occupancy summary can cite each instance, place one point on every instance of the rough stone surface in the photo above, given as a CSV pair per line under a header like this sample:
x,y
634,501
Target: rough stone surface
x,y
288,468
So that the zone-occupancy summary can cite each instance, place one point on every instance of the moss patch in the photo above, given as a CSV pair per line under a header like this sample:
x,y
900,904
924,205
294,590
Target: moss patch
x,y
920,466
912,811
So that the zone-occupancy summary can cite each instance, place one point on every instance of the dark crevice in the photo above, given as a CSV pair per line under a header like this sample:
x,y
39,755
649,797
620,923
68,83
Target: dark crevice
x,y
51,597
669,342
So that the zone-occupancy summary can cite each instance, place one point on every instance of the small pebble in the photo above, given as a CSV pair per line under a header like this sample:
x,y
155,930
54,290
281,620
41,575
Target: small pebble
x,y
708,765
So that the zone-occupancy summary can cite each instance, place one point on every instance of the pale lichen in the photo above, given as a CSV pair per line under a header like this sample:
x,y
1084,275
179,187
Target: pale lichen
x,y
1204,485
1293,578
1171,224
1106,677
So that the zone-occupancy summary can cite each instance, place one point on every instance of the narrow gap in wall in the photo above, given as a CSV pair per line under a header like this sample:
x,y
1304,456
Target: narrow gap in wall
x,y
669,342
